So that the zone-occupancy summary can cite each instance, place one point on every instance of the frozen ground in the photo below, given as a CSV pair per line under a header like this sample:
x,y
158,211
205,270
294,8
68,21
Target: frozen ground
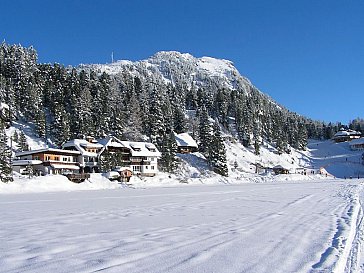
x,y
306,226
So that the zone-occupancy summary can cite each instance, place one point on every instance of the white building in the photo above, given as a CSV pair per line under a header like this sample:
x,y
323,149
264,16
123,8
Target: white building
x,y
140,157
89,150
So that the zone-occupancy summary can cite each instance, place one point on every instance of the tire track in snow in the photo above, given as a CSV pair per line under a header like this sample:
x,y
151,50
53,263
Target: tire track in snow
x,y
343,253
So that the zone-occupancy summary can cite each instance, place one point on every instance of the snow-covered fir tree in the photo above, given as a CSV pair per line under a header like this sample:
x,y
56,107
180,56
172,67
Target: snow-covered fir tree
x,y
23,144
5,156
168,148
204,131
217,152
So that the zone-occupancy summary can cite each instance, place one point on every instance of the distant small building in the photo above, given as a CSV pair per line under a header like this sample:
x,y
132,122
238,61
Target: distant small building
x,y
346,135
280,170
357,144
186,144
125,173
47,161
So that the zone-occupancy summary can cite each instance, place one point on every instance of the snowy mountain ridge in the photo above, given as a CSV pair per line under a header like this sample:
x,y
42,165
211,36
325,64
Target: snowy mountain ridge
x,y
178,68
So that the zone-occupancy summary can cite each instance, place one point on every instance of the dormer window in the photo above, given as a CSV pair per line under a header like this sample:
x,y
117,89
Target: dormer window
x,y
135,147
150,147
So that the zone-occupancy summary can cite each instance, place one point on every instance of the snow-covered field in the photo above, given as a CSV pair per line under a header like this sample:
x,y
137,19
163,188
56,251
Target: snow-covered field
x,y
297,226
194,220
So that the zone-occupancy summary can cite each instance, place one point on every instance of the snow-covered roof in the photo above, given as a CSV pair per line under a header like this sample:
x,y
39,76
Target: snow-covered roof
x,y
349,132
51,150
26,162
341,133
120,169
135,145
145,149
81,144
185,139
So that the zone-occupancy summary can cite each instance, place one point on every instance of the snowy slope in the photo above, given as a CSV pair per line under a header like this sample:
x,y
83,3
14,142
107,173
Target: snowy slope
x,y
272,227
193,168
336,158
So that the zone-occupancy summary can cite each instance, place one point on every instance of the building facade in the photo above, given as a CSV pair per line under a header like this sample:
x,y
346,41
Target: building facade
x,y
47,161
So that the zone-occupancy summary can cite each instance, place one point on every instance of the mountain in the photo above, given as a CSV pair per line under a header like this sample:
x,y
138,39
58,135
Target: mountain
x,y
149,99
180,69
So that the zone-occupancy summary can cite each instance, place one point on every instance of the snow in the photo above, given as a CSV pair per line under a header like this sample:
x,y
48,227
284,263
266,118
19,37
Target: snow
x,y
357,141
346,133
307,226
193,220
337,158
26,162
81,144
53,183
161,65
215,66
47,150
28,128
142,149
4,106
184,139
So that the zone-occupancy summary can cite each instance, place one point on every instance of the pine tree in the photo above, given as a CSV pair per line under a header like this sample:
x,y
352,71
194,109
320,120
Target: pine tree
x,y
6,173
133,120
217,152
23,144
156,116
40,122
204,131
61,125
179,121
15,136
168,161
106,163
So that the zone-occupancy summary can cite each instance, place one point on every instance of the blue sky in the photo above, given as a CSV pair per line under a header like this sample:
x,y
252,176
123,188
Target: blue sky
x,y
307,55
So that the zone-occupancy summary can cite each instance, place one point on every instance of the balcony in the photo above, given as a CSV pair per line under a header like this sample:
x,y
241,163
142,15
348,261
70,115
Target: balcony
x,y
140,162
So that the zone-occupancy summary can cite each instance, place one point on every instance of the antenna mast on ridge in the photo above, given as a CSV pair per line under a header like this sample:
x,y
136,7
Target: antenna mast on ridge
x,y
112,57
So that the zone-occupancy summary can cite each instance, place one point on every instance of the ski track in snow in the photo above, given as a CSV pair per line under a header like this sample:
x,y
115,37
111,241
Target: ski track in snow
x,y
276,227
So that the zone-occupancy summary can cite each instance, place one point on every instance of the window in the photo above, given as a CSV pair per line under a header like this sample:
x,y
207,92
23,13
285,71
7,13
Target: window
x,y
56,158
152,167
152,159
36,157
65,159
146,167
137,169
47,157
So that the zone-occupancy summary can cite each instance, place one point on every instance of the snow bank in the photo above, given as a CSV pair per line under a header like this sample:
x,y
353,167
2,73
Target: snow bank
x,y
54,183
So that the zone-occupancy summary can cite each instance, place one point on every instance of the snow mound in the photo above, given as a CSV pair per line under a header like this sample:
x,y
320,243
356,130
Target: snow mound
x,y
55,183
